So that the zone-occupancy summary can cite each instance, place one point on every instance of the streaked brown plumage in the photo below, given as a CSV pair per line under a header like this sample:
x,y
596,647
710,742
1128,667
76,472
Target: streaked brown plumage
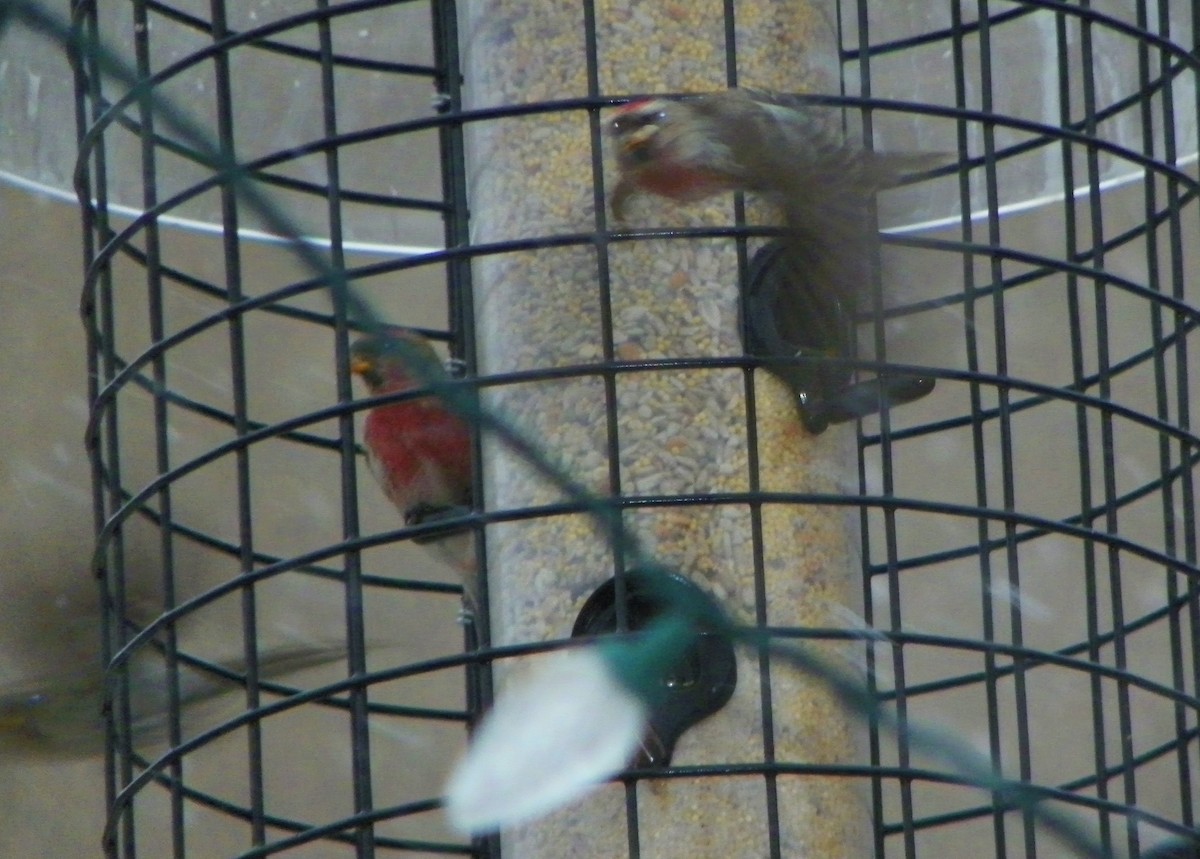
x,y
796,157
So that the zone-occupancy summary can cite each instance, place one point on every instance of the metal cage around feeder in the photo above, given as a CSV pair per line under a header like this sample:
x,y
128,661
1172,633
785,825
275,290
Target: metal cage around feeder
x,y
1022,540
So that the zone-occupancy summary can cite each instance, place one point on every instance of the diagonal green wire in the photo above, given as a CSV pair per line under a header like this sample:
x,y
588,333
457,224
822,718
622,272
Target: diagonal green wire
x,y
936,742
462,398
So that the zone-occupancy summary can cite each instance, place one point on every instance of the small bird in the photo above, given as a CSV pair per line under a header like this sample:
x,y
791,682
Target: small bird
x,y
60,715
737,140
796,157
418,449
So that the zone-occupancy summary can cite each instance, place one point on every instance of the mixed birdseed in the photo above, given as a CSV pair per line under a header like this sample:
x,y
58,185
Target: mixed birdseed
x,y
678,432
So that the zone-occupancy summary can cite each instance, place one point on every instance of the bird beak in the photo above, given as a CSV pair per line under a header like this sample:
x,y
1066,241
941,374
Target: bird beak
x,y
360,366
638,139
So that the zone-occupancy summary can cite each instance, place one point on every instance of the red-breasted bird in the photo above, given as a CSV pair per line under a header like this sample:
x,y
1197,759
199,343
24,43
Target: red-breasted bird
x,y
792,154
419,450
795,153
796,157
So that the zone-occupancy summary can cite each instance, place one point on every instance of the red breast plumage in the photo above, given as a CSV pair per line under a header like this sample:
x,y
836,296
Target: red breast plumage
x,y
419,450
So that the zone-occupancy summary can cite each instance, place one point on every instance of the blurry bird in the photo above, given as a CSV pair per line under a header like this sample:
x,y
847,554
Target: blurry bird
x,y
773,328
796,157
60,716
419,450
795,153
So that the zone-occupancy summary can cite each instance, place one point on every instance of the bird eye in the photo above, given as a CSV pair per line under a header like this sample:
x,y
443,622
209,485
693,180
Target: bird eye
x,y
621,125
631,121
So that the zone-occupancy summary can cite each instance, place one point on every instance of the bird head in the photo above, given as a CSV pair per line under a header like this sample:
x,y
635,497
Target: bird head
x,y
636,128
381,365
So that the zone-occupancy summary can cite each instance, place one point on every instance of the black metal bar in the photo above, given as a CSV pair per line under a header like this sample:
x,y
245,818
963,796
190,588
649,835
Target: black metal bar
x,y
1107,439
157,325
977,438
1008,491
875,739
766,697
96,307
449,81
1190,503
354,604
238,392
1162,400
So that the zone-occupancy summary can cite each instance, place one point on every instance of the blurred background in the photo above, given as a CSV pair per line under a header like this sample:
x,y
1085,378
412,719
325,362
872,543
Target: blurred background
x,y
959,577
